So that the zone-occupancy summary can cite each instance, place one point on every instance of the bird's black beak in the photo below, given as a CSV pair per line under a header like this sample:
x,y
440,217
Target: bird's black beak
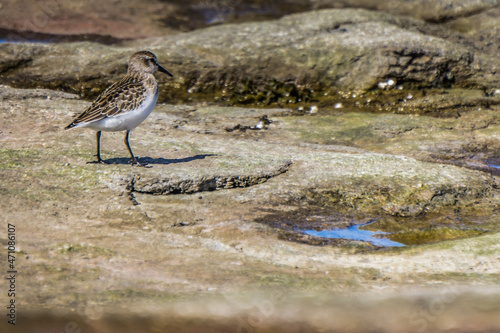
x,y
161,69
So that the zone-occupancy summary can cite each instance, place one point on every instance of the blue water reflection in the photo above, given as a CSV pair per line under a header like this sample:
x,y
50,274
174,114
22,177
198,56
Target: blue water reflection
x,y
353,233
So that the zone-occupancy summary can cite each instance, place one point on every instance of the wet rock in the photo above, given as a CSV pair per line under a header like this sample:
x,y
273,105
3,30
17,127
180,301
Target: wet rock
x,y
442,102
294,59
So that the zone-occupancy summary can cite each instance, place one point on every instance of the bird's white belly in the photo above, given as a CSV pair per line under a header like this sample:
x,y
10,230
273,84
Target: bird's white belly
x,y
126,121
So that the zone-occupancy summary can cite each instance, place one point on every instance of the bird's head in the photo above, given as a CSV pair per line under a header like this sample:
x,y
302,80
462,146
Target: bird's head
x,y
145,61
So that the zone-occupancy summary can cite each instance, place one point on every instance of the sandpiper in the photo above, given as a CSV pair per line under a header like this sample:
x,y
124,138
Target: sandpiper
x,y
126,103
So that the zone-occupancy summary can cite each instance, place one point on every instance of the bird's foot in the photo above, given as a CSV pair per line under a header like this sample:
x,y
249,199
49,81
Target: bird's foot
x,y
99,161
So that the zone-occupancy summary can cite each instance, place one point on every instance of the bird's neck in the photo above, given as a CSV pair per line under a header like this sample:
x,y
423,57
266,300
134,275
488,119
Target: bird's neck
x,y
147,79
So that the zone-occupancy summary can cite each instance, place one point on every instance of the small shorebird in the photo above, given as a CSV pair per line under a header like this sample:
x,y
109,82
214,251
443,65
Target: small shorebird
x,y
126,103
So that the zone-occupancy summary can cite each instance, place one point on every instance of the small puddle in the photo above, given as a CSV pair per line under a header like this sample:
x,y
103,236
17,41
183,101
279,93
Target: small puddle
x,y
493,166
327,227
354,233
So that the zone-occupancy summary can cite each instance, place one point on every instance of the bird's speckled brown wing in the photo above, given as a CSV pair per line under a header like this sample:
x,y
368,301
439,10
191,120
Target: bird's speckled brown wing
x,y
123,96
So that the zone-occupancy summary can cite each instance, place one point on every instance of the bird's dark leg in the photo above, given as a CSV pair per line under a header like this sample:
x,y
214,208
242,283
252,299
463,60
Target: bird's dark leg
x,y
134,160
98,155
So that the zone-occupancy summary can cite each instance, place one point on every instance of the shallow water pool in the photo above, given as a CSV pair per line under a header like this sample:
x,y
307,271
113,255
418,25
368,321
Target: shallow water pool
x,y
354,233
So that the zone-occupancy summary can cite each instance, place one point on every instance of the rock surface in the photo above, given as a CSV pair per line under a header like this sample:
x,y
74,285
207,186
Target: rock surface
x,y
298,58
93,236
406,140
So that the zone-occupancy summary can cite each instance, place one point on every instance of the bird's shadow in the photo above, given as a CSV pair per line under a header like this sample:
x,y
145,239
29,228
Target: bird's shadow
x,y
161,160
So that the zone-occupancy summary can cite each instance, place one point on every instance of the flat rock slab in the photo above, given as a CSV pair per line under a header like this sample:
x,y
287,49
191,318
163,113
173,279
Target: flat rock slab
x,y
97,235
175,184
182,163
